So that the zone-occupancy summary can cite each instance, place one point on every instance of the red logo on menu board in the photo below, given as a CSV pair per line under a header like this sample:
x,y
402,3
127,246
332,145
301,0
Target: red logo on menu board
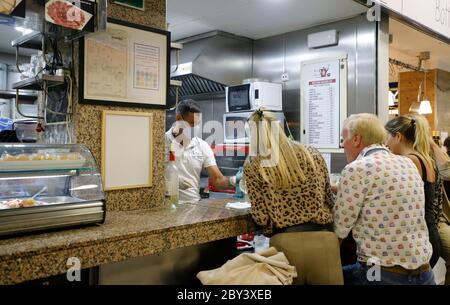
x,y
322,82
324,72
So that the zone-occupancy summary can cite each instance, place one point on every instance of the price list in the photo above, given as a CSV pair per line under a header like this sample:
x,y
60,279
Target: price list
x,y
321,109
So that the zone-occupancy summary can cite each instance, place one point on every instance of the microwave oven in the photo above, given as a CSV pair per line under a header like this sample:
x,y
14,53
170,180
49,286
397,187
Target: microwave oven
x,y
252,96
236,129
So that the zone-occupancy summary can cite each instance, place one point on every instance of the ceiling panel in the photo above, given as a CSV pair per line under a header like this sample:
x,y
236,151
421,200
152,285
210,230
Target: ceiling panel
x,y
250,18
408,43
254,18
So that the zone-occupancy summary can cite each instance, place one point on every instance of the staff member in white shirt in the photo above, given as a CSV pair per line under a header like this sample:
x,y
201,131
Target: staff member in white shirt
x,y
192,154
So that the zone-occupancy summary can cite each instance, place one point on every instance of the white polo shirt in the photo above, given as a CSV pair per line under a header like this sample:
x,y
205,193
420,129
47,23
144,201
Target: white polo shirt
x,y
190,161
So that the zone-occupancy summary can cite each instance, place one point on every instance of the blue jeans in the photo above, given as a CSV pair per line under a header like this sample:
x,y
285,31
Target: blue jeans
x,y
358,274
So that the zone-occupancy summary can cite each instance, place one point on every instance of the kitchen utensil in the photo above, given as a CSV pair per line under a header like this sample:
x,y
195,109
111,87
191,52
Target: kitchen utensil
x,y
40,192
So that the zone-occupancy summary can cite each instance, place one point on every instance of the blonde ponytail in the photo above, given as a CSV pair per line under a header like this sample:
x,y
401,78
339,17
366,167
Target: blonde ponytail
x,y
415,129
421,143
268,141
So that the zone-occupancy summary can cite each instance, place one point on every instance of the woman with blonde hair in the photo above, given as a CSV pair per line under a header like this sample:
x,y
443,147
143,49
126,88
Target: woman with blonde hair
x,y
408,136
289,189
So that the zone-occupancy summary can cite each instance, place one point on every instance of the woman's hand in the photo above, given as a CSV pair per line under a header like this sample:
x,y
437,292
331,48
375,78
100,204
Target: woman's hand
x,y
334,188
334,182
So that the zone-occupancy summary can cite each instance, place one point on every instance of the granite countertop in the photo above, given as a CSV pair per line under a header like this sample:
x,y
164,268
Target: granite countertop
x,y
124,235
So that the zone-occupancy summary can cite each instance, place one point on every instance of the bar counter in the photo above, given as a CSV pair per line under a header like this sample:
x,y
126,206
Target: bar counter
x,y
124,235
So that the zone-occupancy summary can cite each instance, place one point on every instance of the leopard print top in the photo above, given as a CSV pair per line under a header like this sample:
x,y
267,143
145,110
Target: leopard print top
x,y
273,208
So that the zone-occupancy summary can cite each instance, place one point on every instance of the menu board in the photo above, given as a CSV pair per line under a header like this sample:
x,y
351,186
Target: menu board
x,y
323,102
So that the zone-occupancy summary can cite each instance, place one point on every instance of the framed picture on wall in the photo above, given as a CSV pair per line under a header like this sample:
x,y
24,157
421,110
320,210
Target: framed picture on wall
x,y
127,149
127,65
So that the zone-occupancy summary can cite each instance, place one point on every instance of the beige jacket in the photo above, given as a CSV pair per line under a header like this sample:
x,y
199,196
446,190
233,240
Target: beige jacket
x,y
268,267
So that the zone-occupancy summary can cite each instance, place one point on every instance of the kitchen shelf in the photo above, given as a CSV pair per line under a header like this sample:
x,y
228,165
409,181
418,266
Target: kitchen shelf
x,y
32,40
37,83
29,95
176,83
176,46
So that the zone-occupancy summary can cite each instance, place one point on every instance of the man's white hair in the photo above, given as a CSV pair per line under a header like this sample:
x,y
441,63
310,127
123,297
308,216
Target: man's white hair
x,y
368,126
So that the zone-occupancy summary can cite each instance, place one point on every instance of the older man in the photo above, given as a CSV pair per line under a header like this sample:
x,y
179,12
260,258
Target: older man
x,y
380,200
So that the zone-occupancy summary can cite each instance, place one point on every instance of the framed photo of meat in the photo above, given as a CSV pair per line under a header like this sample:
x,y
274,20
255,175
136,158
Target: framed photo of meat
x,y
76,15
126,65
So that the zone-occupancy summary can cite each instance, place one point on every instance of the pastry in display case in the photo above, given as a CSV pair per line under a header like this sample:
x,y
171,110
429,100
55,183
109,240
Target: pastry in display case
x,y
46,186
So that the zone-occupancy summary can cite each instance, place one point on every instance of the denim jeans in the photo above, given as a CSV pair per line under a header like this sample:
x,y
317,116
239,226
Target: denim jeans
x,y
358,274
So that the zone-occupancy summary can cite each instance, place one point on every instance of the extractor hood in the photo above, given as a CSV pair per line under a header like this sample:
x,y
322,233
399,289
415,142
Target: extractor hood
x,y
209,62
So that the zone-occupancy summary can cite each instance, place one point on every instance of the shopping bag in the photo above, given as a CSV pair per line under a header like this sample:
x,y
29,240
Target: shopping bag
x,y
268,267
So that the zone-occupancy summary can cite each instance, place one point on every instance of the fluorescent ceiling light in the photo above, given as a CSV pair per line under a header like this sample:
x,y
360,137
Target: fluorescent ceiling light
x,y
23,30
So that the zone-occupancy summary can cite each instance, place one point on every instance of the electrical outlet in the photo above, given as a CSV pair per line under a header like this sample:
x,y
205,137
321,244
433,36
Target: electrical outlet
x,y
284,77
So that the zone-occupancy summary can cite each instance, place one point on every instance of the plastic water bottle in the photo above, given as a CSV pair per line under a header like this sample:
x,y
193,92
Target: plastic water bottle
x,y
171,178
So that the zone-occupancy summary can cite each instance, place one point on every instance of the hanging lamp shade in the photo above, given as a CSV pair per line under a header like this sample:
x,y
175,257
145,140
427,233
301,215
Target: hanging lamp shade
x,y
425,107
414,108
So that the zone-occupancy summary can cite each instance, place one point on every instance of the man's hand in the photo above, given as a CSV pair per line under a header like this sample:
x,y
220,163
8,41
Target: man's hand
x,y
217,178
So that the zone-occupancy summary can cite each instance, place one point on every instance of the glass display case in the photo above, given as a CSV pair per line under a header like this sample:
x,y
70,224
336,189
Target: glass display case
x,y
48,186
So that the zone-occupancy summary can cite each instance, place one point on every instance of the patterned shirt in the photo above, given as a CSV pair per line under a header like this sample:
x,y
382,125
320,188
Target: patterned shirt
x,y
381,200
273,208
